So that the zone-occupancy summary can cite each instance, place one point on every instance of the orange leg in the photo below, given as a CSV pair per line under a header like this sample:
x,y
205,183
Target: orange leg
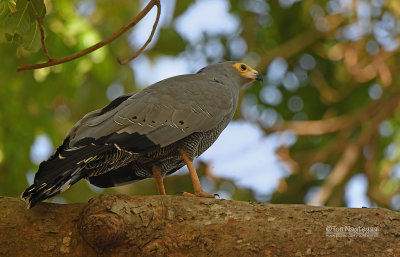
x,y
159,179
198,191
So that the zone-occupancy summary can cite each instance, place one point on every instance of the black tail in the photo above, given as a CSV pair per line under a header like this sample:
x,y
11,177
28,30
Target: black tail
x,y
43,190
60,171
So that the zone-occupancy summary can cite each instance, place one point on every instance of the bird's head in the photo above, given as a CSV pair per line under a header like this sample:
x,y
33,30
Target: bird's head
x,y
229,72
246,72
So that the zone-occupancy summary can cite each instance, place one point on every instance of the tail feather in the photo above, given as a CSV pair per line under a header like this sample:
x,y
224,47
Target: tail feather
x,y
39,192
62,170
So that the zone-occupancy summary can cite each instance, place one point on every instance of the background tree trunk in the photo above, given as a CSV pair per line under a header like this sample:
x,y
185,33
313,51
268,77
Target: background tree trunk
x,y
122,225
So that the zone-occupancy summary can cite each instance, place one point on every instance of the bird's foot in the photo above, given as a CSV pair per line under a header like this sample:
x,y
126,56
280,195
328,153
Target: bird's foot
x,y
200,194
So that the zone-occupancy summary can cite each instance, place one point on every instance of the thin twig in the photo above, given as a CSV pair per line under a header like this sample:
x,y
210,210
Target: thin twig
x,y
39,22
123,62
44,47
317,127
338,174
328,94
106,41
333,124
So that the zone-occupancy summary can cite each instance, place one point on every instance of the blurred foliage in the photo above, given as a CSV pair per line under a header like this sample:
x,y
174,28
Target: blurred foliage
x,y
20,22
331,70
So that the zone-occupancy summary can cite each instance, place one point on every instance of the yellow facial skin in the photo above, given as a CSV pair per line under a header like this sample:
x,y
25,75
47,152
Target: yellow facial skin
x,y
247,72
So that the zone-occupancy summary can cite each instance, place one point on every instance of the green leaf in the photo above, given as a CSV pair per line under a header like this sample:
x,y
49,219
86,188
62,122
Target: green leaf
x,y
37,6
18,23
21,26
31,40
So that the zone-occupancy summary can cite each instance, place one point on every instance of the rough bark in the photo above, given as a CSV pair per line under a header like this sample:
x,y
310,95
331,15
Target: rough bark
x,y
184,226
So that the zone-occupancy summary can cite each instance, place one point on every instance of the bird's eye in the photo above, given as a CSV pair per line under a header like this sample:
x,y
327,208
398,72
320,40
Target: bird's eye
x,y
243,67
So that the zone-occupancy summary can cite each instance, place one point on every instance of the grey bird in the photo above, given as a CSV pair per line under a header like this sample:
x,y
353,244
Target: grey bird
x,y
151,133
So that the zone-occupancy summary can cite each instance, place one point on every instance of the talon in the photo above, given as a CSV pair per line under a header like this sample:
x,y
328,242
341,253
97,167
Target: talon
x,y
217,195
188,194
179,192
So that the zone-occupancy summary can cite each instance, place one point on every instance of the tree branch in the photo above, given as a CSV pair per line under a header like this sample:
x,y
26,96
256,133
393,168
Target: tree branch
x,y
185,226
106,41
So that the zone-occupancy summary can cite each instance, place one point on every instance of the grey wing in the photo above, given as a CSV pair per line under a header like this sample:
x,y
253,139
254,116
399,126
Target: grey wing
x,y
158,116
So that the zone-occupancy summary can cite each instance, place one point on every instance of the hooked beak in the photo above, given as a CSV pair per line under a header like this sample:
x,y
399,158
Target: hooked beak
x,y
259,77
255,76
